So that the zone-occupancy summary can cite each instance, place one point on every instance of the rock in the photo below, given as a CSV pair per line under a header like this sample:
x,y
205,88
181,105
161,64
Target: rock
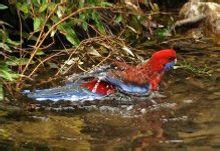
x,y
188,101
206,14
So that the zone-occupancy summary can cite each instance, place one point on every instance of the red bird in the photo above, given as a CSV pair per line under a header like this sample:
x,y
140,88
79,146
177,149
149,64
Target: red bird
x,y
135,80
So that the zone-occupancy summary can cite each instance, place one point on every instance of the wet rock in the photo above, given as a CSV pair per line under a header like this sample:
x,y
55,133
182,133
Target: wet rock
x,y
206,14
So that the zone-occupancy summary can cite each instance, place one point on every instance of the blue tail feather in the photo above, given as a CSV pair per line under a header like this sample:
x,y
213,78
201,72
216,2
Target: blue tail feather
x,y
70,92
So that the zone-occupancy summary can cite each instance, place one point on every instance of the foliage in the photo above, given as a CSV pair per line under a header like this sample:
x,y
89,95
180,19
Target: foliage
x,y
6,74
53,17
1,93
204,71
78,21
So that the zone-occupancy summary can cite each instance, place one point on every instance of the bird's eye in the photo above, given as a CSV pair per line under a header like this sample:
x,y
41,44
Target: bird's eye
x,y
171,59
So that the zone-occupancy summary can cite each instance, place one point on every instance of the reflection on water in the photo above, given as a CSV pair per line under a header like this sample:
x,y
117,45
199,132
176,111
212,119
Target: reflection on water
x,y
187,119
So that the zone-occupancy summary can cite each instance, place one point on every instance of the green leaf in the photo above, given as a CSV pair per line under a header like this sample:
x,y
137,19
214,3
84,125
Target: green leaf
x,y
55,19
10,76
53,32
95,16
14,43
13,61
2,7
66,29
23,7
85,25
100,27
155,7
106,4
98,24
43,7
118,19
7,73
40,52
1,92
82,16
162,32
81,3
37,23
60,11
5,47
51,6
71,37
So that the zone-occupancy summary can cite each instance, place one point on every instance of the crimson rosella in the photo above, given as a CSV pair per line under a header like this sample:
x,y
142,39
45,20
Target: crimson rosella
x,y
137,80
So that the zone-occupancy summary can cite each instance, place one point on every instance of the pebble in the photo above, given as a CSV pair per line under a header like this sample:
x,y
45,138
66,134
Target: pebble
x,y
188,101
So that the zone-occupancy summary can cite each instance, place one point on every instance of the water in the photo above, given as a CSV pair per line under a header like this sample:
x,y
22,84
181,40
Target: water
x,y
187,119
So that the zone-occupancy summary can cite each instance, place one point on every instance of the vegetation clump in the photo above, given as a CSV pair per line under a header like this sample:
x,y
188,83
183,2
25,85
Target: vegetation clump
x,y
63,34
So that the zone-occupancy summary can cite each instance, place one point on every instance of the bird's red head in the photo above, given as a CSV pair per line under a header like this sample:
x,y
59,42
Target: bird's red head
x,y
161,58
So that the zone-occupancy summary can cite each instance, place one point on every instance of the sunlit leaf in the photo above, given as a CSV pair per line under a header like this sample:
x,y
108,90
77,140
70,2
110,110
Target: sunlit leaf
x,y
82,16
7,41
53,32
72,38
100,27
3,7
7,73
5,47
1,92
118,19
37,23
98,23
51,6
155,7
81,3
13,61
85,25
23,7
106,4
162,32
66,29
43,7
60,11
12,42
55,19
40,52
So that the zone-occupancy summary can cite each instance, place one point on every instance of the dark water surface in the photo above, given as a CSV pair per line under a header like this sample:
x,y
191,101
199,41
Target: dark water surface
x,y
187,119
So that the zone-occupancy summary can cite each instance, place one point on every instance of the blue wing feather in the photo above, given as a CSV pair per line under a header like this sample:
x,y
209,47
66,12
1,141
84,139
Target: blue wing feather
x,y
126,87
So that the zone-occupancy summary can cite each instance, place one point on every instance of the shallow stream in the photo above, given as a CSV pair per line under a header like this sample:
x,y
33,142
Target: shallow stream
x,y
188,118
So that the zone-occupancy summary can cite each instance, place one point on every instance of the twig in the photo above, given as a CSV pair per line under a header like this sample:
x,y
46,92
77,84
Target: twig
x,y
39,43
48,58
175,39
